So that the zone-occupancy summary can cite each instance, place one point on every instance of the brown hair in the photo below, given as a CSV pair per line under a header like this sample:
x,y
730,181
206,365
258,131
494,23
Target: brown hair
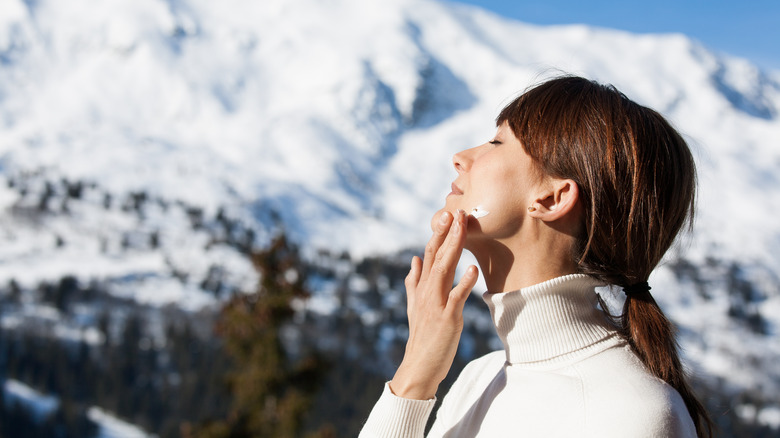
x,y
637,182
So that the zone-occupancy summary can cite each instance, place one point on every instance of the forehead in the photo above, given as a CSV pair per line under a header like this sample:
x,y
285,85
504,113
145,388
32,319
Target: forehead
x,y
504,132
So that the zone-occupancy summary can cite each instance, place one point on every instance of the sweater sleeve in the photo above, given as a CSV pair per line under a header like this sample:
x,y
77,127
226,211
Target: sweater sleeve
x,y
397,417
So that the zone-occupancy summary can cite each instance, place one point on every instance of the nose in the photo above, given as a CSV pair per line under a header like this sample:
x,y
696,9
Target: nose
x,y
463,159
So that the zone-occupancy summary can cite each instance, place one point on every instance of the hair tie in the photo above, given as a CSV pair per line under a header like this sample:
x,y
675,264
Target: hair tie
x,y
636,288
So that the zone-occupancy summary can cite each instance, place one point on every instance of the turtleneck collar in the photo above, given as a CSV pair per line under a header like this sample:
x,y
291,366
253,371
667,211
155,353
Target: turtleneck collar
x,y
551,322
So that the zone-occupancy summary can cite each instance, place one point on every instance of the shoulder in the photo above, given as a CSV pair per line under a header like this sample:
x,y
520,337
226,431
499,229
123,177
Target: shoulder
x,y
490,361
624,399
475,379
478,373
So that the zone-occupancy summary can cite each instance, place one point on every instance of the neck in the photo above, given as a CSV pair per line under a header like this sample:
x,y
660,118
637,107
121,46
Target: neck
x,y
510,266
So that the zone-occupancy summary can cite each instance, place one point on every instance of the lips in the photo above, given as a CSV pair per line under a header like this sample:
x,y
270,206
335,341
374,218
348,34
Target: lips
x,y
455,190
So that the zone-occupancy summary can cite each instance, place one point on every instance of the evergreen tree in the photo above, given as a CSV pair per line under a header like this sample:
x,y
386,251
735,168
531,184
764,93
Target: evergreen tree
x,y
271,389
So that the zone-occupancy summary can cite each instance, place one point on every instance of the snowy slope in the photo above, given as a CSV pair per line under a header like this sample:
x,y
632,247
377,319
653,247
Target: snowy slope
x,y
339,119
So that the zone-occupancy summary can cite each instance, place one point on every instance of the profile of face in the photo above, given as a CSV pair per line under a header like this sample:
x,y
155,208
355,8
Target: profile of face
x,y
498,177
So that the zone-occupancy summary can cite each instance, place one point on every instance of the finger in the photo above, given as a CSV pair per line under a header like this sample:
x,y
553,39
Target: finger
x,y
411,281
413,277
449,253
439,235
460,293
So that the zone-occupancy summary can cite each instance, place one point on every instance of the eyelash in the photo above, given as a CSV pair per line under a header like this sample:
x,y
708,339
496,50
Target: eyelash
x,y
494,142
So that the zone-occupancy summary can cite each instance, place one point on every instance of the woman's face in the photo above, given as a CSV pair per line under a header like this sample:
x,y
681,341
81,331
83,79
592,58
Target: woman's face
x,y
498,177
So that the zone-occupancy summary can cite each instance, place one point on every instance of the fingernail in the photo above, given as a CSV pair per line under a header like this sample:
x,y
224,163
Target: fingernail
x,y
443,218
461,212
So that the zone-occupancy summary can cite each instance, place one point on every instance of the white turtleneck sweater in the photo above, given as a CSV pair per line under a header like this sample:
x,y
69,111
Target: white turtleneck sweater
x,y
564,372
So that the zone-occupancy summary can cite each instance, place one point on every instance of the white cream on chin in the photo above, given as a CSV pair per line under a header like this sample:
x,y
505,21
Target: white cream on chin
x,y
479,212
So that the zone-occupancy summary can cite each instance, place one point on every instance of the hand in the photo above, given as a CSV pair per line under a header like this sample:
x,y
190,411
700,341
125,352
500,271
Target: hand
x,y
435,310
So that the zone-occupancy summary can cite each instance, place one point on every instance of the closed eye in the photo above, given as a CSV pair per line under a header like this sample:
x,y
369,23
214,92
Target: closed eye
x,y
494,142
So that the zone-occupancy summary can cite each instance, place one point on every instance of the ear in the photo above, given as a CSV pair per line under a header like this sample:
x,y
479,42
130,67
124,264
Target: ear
x,y
559,200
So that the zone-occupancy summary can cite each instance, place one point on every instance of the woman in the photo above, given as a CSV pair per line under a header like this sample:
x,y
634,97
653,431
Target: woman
x,y
582,188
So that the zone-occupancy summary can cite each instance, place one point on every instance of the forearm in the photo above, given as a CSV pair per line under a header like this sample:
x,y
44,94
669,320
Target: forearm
x,y
397,417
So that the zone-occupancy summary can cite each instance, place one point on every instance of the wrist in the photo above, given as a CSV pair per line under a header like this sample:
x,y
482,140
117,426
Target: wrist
x,y
413,389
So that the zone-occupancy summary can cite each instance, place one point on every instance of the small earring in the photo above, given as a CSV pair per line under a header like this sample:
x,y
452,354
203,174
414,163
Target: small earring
x,y
531,209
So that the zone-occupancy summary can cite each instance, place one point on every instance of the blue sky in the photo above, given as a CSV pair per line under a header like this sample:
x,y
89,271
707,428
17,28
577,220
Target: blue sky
x,y
748,28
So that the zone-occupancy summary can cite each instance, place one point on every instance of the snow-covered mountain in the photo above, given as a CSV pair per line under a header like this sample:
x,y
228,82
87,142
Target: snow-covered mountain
x,y
134,132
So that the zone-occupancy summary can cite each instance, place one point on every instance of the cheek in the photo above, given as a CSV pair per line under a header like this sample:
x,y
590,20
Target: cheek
x,y
498,209
500,191
501,213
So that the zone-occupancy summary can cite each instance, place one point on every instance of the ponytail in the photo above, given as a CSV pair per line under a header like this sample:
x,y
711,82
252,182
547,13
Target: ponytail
x,y
652,337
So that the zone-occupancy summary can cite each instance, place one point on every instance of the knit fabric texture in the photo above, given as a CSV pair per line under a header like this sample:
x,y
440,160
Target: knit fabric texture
x,y
564,372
